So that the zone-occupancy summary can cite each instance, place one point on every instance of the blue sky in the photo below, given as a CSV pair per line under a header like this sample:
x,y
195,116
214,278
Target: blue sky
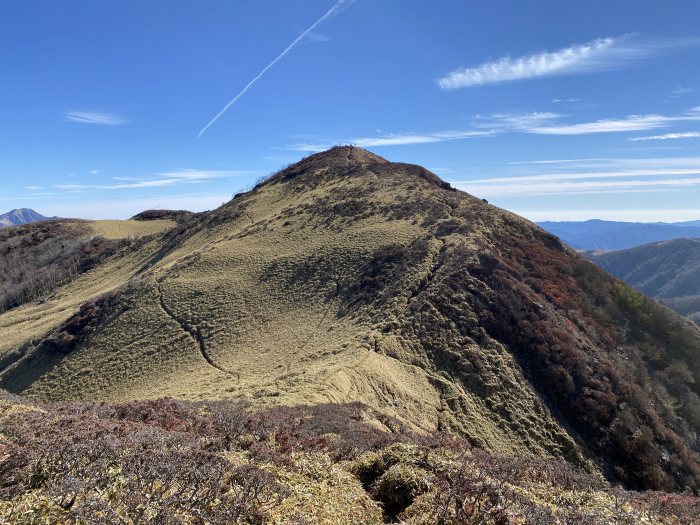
x,y
554,110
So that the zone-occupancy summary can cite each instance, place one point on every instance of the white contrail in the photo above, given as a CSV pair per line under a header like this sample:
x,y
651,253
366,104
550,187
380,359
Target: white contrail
x,y
333,10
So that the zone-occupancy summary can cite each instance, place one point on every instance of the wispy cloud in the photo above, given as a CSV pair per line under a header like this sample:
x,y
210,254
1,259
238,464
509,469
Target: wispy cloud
x,y
555,161
539,123
123,209
335,9
86,117
20,198
597,55
634,215
565,100
628,175
131,185
34,188
94,172
669,136
577,187
193,174
160,180
629,123
615,164
545,123
517,121
680,90
588,175
395,140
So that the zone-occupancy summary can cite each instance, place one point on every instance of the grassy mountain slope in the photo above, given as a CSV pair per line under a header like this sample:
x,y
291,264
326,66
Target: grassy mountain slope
x,y
349,278
668,271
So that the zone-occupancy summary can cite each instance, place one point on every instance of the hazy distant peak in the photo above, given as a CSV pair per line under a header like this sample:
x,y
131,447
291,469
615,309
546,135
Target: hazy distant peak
x,y
21,216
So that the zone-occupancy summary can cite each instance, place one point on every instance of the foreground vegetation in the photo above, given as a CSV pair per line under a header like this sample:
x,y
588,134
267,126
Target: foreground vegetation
x,y
165,461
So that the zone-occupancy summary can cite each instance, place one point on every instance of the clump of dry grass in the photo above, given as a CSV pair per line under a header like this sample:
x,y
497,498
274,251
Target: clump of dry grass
x,y
131,228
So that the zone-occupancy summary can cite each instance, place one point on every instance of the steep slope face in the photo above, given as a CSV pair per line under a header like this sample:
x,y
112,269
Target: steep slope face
x,y
21,216
349,278
668,271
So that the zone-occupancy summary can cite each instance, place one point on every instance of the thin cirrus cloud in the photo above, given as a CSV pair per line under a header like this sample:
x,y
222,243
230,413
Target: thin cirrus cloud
x,y
100,119
619,163
557,161
517,121
397,139
612,176
546,123
634,215
680,90
668,136
629,123
601,54
538,123
589,175
123,209
164,179
577,187
565,100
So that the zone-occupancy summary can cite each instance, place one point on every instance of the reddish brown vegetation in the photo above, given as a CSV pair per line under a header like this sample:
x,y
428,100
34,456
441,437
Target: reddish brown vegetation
x,y
164,459
37,258
76,451
577,361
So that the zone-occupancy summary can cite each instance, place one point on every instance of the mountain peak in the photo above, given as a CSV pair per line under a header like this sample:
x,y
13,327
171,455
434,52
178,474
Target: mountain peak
x,y
353,161
20,216
346,154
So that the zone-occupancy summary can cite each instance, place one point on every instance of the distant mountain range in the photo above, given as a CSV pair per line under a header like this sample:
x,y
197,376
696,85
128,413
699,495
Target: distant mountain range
x,y
21,216
668,271
613,235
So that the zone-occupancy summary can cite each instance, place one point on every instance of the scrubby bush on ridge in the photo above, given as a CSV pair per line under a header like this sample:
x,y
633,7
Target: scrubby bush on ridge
x,y
166,461
35,259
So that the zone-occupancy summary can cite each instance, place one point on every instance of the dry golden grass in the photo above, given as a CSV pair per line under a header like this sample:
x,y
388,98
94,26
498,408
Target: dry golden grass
x,y
260,284
125,229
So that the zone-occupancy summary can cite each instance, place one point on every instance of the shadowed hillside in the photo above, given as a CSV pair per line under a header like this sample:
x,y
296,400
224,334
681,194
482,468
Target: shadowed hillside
x,y
348,278
668,271
37,258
